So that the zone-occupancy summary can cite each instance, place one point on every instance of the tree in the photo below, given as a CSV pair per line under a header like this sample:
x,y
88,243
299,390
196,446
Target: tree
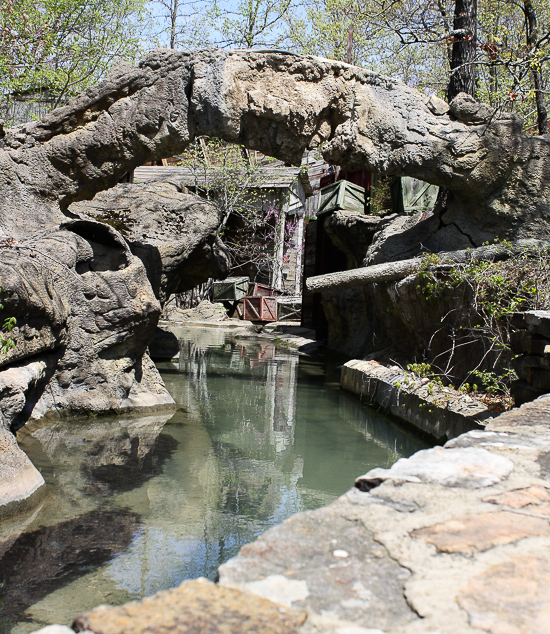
x,y
405,40
322,28
250,23
223,23
254,227
532,37
462,77
62,46
513,56
497,50
179,23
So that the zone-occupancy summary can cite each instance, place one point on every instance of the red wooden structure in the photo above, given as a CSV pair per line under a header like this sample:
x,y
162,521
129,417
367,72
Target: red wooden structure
x,y
260,308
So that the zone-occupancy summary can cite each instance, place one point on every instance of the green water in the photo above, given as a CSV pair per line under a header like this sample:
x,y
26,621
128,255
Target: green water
x,y
136,505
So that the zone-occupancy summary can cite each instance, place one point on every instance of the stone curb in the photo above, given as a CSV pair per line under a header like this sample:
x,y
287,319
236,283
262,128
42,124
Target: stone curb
x,y
441,413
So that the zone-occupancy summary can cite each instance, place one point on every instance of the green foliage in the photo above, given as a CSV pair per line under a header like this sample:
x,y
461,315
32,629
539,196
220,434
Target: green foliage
x,y
8,325
413,40
423,370
484,295
380,198
492,382
430,379
382,36
234,23
59,47
253,223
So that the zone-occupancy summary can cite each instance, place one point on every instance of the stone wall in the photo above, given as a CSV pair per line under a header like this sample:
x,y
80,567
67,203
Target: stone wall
x,y
531,343
436,411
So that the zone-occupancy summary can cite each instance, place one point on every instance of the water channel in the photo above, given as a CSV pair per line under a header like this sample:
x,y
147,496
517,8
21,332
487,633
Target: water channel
x,y
136,505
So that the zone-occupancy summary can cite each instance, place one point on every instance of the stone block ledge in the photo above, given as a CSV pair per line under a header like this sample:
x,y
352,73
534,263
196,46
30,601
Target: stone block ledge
x,y
441,413
530,341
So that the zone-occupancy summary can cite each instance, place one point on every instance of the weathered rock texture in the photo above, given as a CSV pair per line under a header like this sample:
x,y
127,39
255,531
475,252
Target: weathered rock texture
x,y
21,484
172,231
84,304
197,605
82,299
280,104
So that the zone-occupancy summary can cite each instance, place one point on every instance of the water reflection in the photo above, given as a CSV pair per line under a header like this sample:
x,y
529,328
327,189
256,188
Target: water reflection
x,y
261,433
41,561
263,403
112,455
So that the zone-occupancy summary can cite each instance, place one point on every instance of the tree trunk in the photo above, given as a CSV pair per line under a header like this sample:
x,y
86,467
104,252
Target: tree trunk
x,y
174,5
531,31
463,74
392,271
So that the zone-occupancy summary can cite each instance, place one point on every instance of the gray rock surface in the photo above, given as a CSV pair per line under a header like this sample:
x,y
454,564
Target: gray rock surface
x,y
438,411
21,485
82,299
103,313
194,606
280,104
470,468
353,233
343,573
204,311
172,231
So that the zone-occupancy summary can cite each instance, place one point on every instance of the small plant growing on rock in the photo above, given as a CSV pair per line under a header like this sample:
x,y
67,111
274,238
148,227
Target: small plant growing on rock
x,y
8,325
483,296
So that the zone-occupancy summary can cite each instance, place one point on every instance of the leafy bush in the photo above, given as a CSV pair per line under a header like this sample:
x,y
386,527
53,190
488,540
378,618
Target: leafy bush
x,y
8,325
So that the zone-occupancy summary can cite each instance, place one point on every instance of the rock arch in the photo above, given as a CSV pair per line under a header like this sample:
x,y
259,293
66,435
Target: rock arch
x,y
84,325
280,104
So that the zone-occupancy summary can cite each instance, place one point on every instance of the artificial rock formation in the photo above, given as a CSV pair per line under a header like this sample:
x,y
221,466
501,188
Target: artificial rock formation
x,y
85,307
280,104
172,231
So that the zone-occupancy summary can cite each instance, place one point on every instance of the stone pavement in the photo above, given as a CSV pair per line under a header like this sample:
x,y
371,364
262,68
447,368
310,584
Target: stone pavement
x,y
195,606
454,540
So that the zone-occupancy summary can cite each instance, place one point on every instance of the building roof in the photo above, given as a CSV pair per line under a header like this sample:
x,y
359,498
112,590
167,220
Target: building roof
x,y
276,176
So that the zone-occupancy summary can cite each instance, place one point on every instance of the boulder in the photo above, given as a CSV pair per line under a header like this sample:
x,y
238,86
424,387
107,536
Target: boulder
x,y
102,313
172,231
203,311
21,485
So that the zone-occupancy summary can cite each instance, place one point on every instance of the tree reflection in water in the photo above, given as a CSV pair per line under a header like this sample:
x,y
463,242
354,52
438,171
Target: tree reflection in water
x,y
261,433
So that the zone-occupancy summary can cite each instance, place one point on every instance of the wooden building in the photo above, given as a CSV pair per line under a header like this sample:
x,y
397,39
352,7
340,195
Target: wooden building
x,y
287,188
